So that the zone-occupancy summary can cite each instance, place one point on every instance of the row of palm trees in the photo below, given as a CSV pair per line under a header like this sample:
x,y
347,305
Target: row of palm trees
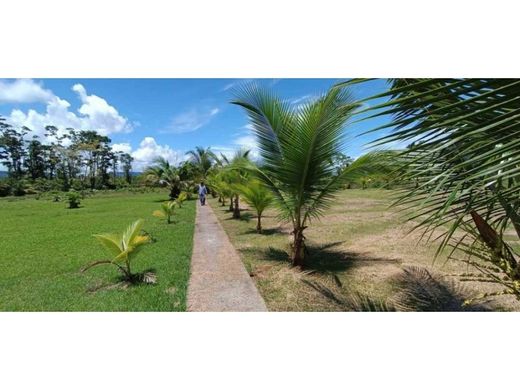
x,y
183,178
459,172
295,173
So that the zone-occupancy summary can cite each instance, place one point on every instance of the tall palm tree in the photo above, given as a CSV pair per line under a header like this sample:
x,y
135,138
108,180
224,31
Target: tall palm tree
x,y
463,165
297,147
203,159
163,173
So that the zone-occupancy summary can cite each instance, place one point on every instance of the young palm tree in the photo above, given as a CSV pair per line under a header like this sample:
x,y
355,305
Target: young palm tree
x,y
123,248
164,174
463,166
256,195
216,182
181,198
203,159
297,147
236,176
167,211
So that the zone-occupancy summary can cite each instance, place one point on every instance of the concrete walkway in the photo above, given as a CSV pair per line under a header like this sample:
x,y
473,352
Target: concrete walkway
x,y
219,280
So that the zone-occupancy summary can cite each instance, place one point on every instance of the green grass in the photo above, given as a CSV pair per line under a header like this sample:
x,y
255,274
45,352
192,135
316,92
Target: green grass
x,y
44,245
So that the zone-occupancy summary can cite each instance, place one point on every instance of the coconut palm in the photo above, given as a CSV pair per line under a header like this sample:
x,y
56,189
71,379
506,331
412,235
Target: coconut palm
x,y
236,176
256,195
217,183
463,165
163,173
123,247
203,159
297,148
167,211
181,198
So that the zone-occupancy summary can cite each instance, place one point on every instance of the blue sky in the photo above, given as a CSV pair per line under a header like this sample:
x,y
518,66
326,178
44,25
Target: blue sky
x,y
158,117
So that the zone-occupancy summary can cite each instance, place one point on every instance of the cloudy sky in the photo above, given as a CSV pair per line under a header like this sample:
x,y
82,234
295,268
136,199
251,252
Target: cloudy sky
x,y
157,117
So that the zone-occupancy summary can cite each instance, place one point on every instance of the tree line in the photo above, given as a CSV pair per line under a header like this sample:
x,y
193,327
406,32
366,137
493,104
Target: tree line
x,y
73,159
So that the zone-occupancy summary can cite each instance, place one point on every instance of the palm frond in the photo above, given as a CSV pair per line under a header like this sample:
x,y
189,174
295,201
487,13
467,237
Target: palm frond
x,y
297,146
112,242
462,162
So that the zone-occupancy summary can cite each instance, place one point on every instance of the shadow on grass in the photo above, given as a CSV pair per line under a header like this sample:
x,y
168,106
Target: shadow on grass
x,y
146,277
161,200
326,259
323,258
418,290
423,290
265,232
244,216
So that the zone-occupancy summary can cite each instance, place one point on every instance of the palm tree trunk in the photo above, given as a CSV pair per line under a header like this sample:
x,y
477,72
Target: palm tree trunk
x,y
236,210
128,272
298,248
259,223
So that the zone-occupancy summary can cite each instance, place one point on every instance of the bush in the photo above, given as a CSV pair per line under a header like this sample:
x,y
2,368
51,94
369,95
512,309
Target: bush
x,y
74,199
18,188
5,189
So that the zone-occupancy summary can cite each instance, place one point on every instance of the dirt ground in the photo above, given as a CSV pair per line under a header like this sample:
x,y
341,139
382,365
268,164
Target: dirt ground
x,y
359,249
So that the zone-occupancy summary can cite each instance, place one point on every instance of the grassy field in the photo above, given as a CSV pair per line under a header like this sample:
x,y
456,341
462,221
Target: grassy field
x,y
44,245
359,246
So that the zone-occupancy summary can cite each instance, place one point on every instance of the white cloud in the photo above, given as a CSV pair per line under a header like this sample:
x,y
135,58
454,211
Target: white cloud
x,y
191,120
149,150
23,91
100,115
227,151
244,140
124,147
94,114
248,142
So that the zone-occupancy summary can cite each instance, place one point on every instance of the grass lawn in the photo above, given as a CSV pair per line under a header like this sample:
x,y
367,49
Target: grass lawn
x,y
44,245
359,246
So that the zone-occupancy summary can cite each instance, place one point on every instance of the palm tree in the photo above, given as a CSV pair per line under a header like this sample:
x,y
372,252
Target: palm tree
x,y
183,196
217,183
297,147
167,210
123,248
203,160
463,166
258,197
236,176
164,174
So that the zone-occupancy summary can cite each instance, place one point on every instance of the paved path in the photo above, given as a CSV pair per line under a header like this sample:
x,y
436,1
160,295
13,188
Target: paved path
x,y
219,280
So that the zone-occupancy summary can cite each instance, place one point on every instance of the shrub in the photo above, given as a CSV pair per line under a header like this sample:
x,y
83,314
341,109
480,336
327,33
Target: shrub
x,y
18,188
5,189
74,199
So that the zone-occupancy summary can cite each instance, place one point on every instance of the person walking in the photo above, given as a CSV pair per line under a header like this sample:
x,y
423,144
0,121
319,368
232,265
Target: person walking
x,y
202,193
